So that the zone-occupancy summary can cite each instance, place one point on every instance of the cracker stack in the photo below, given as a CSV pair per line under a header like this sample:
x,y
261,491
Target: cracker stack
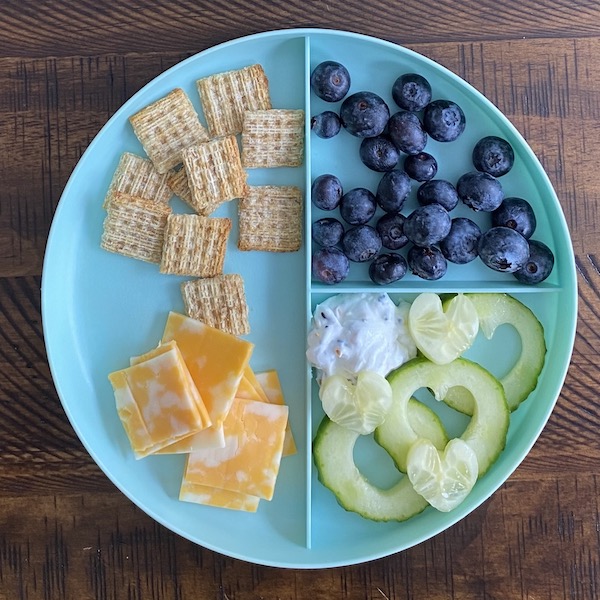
x,y
205,168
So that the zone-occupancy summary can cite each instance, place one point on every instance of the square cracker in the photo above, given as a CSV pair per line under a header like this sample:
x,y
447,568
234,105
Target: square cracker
x,y
219,302
135,227
166,127
226,96
270,218
215,173
194,245
273,138
137,176
179,185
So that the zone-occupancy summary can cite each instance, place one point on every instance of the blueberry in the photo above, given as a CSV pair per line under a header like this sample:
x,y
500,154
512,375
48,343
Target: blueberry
x,y
326,124
480,191
411,91
438,191
421,166
392,191
427,225
379,153
406,131
326,192
503,249
330,265
390,228
361,243
444,120
327,231
461,243
357,206
493,155
538,266
427,263
517,214
364,114
330,81
387,268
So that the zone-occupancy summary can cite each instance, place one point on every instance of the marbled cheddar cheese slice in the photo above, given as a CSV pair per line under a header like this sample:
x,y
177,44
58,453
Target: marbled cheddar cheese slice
x,y
271,387
246,391
249,462
211,437
216,361
157,400
202,494
250,377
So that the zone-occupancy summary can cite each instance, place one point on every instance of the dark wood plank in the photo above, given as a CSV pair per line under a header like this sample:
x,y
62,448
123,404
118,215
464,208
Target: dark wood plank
x,y
29,28
533,539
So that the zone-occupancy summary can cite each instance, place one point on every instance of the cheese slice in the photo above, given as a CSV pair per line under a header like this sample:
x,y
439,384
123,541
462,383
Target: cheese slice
x,y
249,462
203,494
271,386
250,377
211,437
216,361
246,391
157,400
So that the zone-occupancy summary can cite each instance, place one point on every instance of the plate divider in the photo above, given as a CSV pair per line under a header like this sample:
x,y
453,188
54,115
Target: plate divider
x,y
307,276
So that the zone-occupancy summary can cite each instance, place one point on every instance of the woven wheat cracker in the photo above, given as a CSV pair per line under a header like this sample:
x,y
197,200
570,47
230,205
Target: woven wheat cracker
x,y
179,185
226,96
135,227
166,127
219,302
270,219
215,173
137,176
194,245
273,138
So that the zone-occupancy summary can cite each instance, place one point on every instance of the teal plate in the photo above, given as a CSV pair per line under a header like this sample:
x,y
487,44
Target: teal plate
x,y
100,308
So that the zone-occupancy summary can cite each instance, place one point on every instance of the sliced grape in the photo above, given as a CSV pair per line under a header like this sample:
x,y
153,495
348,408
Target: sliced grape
x,y
442,332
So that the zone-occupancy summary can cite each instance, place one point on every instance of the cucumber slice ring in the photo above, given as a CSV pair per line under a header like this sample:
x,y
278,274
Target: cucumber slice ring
x,y
486,432
494,310
333,454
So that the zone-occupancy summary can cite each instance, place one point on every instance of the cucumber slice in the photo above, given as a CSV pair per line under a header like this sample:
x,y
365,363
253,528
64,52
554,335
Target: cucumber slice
x,y
486,432
423,421
499,309
333,448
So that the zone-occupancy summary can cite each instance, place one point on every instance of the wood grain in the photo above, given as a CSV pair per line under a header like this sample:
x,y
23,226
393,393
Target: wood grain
x,y
65,531
34,29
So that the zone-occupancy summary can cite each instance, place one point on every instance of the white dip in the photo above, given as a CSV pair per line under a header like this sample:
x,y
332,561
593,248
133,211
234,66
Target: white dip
x,y
356,332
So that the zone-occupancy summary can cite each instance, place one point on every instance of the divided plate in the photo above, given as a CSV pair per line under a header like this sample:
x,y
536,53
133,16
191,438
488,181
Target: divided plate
x,y
99,309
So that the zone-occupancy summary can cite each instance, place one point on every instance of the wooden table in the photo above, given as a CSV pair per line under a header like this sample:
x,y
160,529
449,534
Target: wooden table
x,y
65,531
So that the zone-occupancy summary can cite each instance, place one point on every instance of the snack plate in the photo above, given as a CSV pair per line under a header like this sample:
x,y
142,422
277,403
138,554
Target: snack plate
x,y
100,308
